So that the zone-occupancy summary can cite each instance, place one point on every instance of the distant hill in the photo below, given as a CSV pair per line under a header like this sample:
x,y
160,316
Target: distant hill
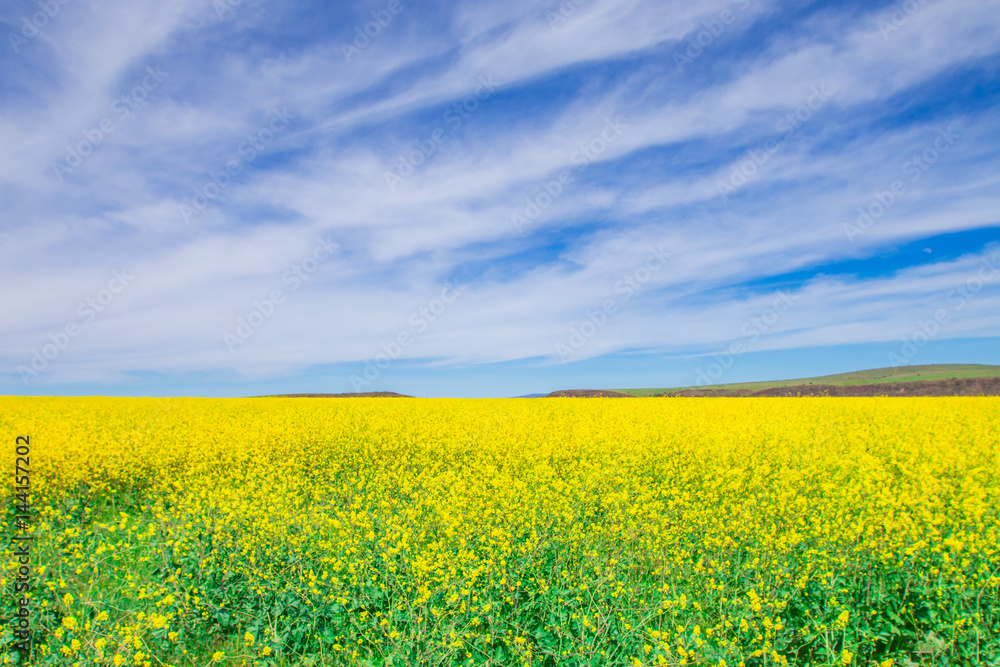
x,y
955,387
588,393
933,380
930,380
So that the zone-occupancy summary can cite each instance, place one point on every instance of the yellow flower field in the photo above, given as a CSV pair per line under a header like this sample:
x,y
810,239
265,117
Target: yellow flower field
x,y
504,532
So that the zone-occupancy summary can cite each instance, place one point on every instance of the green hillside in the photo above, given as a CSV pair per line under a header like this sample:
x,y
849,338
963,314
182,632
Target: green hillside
x,y
901,374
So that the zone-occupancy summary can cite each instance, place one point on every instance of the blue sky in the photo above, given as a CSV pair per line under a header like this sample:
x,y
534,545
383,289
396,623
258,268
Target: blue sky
x,y
493,199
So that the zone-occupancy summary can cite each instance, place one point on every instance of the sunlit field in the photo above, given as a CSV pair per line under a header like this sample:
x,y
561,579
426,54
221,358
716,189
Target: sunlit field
x,y
507,532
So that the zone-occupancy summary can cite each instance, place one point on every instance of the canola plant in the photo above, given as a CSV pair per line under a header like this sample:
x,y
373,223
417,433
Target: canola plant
x,y
669,531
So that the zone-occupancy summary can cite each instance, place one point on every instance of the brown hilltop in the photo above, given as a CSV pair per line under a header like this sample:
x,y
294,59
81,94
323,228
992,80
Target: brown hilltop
x,y
587,393
983,386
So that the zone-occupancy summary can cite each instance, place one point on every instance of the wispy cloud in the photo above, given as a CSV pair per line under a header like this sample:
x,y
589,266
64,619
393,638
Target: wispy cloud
x,y
555,83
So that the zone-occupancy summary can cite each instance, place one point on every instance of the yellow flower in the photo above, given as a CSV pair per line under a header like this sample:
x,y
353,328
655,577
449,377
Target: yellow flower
x,y
119,660
218,656
389,493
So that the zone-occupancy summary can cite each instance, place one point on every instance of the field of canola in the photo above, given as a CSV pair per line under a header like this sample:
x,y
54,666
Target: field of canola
x,y
510,532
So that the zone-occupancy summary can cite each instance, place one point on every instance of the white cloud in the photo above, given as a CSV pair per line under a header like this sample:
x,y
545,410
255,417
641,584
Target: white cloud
x,y
326,176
